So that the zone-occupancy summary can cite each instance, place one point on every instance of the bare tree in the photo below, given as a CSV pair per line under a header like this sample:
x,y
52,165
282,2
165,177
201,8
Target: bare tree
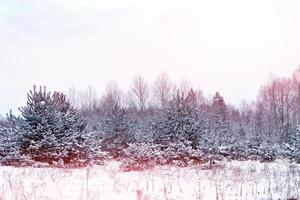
x,y
85,99
276,98
184,86
201,99
162,89
296,95
90,98
72,95
112,96
140,92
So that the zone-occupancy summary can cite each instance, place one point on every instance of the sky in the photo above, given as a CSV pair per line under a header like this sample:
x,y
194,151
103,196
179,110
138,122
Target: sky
x,y
229,46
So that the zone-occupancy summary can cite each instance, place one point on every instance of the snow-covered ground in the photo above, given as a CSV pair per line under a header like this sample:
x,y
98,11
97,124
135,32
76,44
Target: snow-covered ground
x,y
236,180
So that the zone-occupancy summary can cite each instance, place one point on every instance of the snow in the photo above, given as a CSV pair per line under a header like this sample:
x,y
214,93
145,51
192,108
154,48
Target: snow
x,y
234,180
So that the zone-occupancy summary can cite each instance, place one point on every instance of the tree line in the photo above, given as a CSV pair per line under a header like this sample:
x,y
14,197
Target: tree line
x,y
150,125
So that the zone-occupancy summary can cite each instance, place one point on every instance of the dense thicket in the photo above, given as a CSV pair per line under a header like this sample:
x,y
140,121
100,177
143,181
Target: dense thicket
x,y
162,124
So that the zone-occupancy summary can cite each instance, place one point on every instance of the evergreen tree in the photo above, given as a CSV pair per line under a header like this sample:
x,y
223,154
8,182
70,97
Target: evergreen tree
x,y
180,126
115,128
181,120
50,130
293,146
9,145
140,156
220,119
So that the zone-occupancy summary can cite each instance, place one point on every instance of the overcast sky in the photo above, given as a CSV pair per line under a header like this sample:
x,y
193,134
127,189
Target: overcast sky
x,y
230,46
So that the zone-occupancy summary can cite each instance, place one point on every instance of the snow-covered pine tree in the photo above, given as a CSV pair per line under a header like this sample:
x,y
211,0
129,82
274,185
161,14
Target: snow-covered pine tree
x,y
51,130
3,122
175,122
292,148
115,126
141,156
180,126
238,146
9,144
209,150
220,122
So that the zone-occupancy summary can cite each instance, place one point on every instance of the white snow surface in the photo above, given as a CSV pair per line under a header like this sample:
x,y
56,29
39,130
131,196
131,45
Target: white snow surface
x,y
236,180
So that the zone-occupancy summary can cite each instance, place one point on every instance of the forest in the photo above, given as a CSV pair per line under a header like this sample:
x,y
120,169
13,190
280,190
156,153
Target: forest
x,y
162,123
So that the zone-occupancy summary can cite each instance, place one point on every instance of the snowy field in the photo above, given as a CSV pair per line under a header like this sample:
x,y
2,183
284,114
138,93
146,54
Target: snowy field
x,y
235,181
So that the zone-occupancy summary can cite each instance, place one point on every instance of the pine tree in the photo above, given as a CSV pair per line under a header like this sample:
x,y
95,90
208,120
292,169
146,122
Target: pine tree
x,y
181,120
51,130
115,127
140,156
292,148
220,119
9,145
181,125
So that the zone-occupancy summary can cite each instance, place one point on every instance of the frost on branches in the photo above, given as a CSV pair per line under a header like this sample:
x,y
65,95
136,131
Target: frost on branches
x,y
50,131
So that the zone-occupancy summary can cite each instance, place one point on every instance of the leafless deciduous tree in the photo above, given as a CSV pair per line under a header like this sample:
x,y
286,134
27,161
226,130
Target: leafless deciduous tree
x,y
162,89
73,97
85,99
112,96
276,98
184,87
140,92
90,98
296,95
